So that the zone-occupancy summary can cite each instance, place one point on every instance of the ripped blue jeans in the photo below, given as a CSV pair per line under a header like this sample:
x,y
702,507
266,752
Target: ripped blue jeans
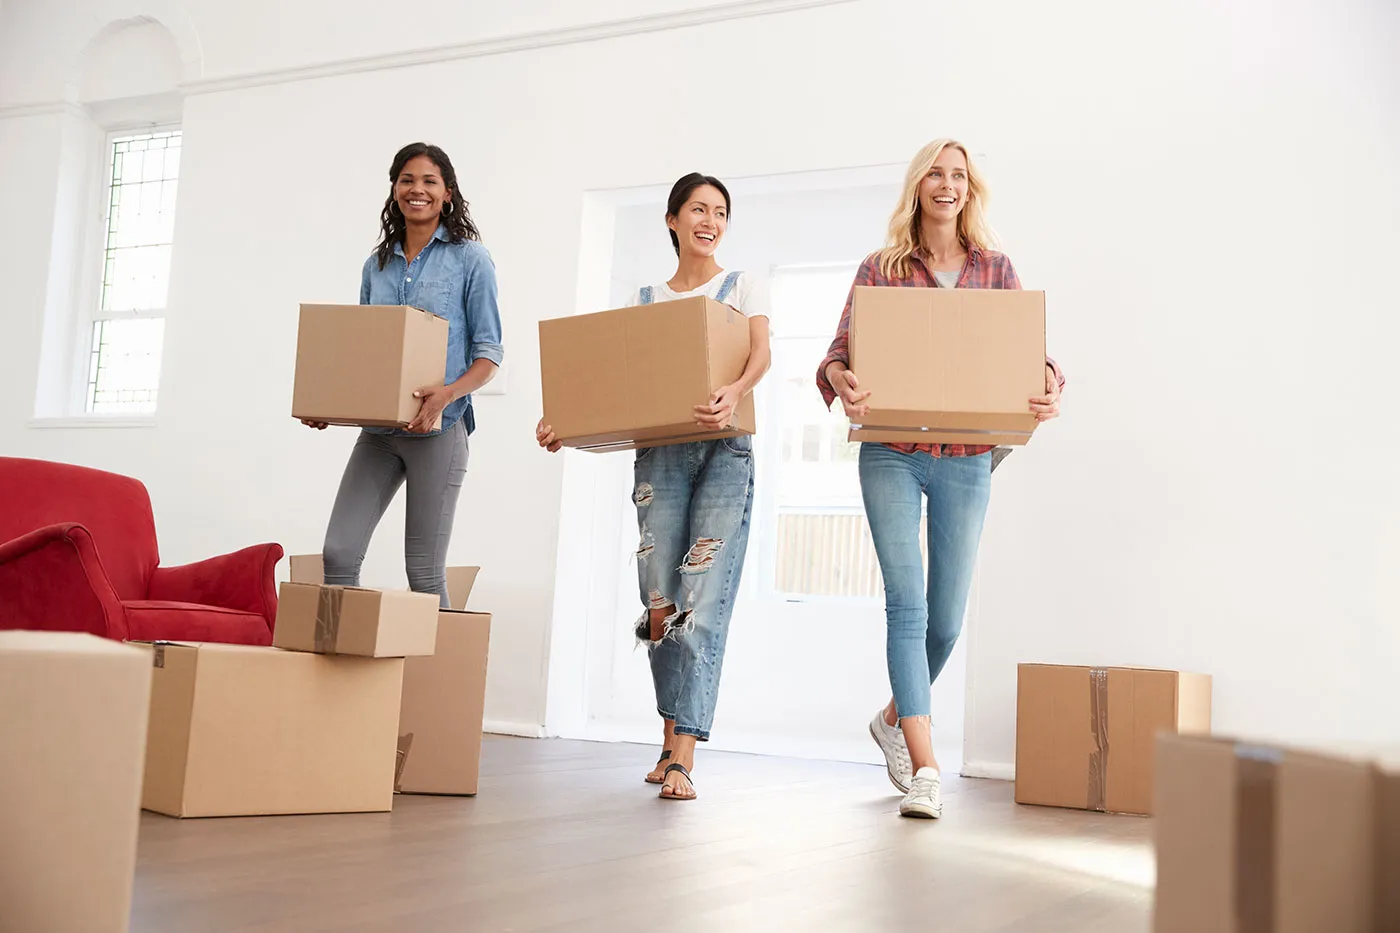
x,y
693,503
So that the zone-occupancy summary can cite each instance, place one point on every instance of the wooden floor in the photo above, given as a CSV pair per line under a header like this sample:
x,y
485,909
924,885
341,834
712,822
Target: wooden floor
x,y
565,836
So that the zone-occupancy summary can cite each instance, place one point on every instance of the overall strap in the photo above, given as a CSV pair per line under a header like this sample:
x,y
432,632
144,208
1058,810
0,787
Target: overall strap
x,y
727,285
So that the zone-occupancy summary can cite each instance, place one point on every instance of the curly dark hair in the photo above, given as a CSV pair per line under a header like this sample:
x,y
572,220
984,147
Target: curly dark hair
x,y
455,215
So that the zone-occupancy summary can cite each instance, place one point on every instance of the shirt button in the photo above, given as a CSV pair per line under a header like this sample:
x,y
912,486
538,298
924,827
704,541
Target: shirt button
x,y
409,279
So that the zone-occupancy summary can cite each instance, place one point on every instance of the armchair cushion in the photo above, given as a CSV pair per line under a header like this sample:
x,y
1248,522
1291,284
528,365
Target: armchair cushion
x,y
158,619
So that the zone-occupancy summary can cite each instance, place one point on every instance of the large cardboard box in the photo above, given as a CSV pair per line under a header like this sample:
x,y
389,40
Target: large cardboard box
x,y
629,378
237,730
310,568
353,620
444,698
460,581
948,366
307,568
361,364
1260,839
72,740
1086,736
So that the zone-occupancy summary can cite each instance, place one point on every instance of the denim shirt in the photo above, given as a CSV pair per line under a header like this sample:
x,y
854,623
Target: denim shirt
x,y
455,281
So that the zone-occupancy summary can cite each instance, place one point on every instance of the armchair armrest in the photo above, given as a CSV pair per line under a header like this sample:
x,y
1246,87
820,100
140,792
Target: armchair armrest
x,y
51,579
242,580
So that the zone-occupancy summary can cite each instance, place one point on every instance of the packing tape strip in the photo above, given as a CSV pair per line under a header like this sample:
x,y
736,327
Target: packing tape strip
x,y
1256,797
1098,727
400,759
328,619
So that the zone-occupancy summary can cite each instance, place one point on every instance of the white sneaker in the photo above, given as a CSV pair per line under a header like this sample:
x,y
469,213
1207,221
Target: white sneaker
x,y
925,797
891,742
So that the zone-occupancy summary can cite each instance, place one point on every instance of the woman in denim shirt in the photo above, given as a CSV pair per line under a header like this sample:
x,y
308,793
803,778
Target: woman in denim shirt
x,y
430,257
694,500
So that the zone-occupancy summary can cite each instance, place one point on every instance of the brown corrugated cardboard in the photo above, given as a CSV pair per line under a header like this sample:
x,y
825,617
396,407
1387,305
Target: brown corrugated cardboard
x,y
1388,840
443,702
460,581
1259,839
237,730
307,568
352,620
631,377
1085,737
361,364
948,366
73,737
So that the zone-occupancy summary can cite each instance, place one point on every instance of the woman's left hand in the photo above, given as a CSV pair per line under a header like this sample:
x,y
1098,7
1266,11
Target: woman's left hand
x,y
1048,405
435,399
718,415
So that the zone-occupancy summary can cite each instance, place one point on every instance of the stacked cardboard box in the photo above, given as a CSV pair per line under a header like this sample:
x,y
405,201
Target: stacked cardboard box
x,y
310,568
1086,736
73,731
237,730
444,696
1256,838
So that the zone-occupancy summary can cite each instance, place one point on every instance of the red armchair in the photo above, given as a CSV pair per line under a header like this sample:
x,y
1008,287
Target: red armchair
x,y
78,553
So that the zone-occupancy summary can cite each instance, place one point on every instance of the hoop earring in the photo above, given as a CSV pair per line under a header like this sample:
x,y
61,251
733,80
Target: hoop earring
x,y
394,208
447,211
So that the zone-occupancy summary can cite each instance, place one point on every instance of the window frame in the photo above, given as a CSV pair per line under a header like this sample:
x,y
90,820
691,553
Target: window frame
x,y
92,268
769,453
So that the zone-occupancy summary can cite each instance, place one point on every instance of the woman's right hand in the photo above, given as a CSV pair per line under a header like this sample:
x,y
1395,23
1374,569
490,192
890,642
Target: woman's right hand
x,y
318,425
544,434
847,386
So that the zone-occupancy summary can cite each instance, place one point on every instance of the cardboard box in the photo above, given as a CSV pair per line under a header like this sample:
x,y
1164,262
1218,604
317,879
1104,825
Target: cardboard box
x,y
948,366
460,581
444,700
237,730
361,364
307,568
352,620
1259,839
73,734
1086,736
629,378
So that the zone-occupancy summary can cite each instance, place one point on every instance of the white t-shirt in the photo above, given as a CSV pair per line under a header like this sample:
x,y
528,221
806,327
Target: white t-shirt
x,y
749,294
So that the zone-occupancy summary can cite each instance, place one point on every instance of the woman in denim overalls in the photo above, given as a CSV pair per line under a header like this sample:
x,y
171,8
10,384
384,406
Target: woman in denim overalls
x,y
694,500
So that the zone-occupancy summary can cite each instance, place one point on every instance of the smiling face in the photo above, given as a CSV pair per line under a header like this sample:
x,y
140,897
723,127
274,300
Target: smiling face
x,y
943,192
419,191
700,223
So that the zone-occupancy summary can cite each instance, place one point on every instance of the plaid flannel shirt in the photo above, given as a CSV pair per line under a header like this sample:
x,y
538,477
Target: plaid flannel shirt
x,y
981,269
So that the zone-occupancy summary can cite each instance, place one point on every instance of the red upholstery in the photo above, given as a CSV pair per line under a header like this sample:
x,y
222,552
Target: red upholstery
x,y
78,553
149,619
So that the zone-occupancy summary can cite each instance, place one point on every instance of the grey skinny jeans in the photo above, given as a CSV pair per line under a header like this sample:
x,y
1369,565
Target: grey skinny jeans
x,y
434,466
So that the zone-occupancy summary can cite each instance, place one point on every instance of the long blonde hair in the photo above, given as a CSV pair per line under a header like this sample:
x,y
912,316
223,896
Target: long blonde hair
x,y
902,240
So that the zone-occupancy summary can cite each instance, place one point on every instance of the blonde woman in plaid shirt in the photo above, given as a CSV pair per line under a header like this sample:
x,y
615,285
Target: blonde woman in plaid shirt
x,y
938,238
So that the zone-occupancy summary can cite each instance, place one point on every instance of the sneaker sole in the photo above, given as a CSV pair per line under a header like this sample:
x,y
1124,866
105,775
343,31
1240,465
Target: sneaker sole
x,y
921,813
894,779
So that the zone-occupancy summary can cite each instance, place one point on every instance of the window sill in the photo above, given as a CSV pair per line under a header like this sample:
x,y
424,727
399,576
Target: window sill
x,y
95,421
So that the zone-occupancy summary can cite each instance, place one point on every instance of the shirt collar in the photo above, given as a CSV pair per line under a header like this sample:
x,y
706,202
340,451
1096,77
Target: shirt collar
x,y
974,255
442,233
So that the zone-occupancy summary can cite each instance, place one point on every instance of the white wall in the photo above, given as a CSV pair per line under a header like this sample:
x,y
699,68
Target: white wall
x,y
1207,194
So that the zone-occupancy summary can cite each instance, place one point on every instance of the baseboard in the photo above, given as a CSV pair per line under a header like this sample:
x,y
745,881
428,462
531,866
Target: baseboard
x,y
995,770
526,730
